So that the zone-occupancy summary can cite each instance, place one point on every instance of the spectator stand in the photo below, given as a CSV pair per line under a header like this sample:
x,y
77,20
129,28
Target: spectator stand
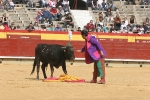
x,y
141,12
22,15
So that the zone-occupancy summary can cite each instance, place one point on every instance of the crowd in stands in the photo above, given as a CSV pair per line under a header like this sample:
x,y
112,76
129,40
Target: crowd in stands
x,y
53,10
59,10
117,23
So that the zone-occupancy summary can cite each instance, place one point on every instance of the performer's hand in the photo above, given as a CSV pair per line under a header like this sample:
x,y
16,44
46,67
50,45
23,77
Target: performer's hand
x,y
78,50
102,54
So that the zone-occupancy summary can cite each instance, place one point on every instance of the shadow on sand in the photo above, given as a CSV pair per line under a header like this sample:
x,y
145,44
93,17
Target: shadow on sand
x,y
33,79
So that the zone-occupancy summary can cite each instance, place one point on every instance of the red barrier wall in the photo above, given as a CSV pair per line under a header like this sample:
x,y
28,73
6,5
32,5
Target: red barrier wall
x,y
117,49
15,45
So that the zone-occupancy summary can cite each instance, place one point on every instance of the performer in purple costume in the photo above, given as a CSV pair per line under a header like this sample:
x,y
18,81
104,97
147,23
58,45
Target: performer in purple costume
x,y
94,52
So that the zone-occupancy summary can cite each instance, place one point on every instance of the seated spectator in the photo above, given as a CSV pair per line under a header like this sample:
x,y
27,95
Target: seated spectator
x,y
65,4
22,1
50,28
54,12
59,3
1,19
104,5
109,16
95,5
123,25
116,13
61,13
39,16
58,28
126,21
141,30
12,26
1,26
111,5
47,23
112,29
124,30
146,2
52,3
79,29
98,28
5,19
66,10
31,3
43,3
100,16
129,28
30,27
132,21
145,27
88,3
105,29
43,28
135,29
6,27
47,16
36,26
90,26
1,4
6,5
11,3
142,2
117,22
98,24
147,21
133,1
18,27
130,31
68,21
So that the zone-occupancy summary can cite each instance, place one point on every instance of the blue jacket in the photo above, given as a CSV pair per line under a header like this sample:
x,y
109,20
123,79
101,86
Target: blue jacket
x,y
47,14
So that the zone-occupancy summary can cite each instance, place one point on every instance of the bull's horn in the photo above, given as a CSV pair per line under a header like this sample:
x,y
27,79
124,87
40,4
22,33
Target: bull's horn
x,y
63,47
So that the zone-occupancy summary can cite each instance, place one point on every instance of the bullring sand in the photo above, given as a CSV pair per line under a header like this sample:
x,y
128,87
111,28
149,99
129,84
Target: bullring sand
x,y
122,83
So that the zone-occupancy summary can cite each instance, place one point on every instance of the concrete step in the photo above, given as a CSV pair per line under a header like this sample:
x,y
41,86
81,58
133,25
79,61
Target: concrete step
x,y
24,18
19,8
13,15
23,15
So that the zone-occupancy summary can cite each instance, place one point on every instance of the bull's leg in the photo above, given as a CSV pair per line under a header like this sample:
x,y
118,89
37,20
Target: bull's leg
x,y
64,67
38,67
52,69
43,69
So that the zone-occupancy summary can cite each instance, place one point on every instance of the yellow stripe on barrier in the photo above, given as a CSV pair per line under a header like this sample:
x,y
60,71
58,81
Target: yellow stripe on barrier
x,y
54,37
3,35
75,37
131,38
143,37
112,37
23,33
60,37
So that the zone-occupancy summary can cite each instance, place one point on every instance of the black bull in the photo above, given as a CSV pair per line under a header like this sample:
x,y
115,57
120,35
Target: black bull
x,y
55,55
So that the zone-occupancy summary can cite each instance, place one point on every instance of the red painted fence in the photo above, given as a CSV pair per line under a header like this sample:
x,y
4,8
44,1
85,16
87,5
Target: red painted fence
x,y
115,48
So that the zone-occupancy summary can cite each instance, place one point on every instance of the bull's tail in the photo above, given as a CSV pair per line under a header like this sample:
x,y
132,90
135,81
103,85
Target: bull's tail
x,y
34,64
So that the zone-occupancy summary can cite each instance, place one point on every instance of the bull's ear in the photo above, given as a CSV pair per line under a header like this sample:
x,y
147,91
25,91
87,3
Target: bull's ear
x,y
64,48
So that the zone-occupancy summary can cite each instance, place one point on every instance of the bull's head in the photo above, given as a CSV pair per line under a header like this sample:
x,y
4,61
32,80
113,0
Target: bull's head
x,y
69,52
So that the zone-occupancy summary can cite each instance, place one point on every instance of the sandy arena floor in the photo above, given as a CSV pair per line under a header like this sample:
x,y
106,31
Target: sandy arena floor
x,y
122,84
